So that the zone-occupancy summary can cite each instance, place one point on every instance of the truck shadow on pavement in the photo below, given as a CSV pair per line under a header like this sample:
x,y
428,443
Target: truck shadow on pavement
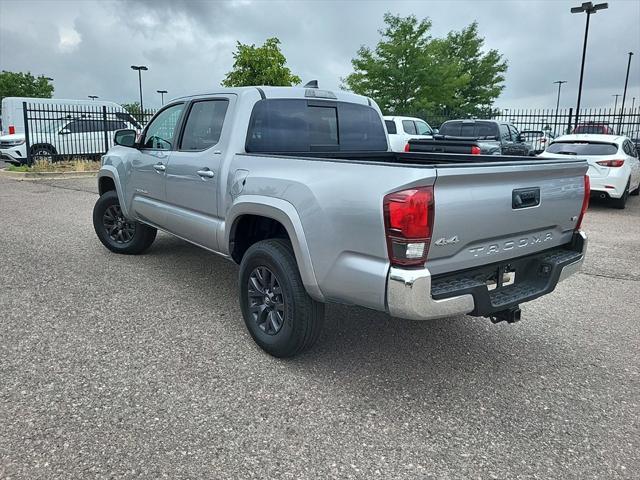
x,y
369,348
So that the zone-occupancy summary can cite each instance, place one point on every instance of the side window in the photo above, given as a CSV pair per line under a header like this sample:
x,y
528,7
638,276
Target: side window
x,y
391,127
514,133
113,125
505,136
159,133
204,124
409,127
423,129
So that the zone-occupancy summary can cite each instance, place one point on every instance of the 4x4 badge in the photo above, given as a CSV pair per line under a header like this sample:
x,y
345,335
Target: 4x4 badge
x,y
447,241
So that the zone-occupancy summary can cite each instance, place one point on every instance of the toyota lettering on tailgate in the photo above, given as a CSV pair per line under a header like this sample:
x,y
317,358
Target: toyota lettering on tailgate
x,y
511,244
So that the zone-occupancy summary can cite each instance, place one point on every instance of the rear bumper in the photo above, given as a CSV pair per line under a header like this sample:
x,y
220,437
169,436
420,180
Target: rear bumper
x,y
416,295
612,185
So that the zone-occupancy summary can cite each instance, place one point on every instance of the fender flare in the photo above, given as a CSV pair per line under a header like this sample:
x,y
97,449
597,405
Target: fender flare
x,y
110,171
285,213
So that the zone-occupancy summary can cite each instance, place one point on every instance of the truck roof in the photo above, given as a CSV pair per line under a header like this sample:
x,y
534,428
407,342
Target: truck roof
x,y
287,92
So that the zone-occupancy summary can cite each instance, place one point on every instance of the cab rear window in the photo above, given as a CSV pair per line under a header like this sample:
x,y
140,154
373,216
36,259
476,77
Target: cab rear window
x,y
583,148
292,125
469,129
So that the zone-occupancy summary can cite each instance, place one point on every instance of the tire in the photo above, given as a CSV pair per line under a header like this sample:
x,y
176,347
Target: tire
x,y
636,192
622,201
42,152
116,232
291,321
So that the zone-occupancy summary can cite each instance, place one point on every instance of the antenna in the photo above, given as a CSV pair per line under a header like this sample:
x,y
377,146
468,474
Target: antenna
x,y
311,84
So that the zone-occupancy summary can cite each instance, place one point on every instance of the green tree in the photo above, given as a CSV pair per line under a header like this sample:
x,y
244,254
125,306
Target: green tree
x,y
483,71
409,71
265,65
18,84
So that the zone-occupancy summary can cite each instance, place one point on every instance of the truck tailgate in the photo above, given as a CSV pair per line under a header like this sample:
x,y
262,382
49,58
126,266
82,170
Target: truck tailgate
x,y
487,213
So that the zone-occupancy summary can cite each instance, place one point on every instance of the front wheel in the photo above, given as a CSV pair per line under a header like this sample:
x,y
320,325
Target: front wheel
x,y
115,231
279,314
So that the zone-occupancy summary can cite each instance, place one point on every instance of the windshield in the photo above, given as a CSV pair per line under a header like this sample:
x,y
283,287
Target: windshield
x,y
583,148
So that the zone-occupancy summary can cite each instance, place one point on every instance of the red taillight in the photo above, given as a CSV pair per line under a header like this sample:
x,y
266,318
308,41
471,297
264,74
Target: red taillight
x,y
12,129
407,148
611,163
475,150
408,220
585,201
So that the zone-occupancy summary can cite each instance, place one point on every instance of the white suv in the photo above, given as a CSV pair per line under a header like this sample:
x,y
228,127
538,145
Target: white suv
x,y
403,129
69,136
614,168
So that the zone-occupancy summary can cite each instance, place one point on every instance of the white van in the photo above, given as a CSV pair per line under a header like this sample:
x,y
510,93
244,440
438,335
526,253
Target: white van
x,y
13,115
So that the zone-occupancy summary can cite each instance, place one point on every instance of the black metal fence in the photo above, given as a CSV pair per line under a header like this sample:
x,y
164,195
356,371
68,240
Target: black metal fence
x,y
558,122
55,132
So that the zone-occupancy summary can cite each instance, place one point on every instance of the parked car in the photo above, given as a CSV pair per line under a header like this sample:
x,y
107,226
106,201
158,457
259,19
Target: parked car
x,y
45,109
614,169
82,136
272,178
403,129
599,128
475,137
539,139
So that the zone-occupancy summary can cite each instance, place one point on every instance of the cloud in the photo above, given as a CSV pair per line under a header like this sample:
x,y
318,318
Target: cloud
x,y
88,47
69,39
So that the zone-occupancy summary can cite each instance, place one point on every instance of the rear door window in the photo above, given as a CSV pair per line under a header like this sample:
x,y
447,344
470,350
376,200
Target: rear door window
x,y
409,127
583,148
391,127
204,124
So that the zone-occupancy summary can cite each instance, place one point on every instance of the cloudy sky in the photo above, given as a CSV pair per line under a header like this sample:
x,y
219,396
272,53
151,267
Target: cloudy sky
x,y
87,46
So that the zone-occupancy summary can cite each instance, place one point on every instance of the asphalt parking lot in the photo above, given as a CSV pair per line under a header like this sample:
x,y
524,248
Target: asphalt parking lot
x,y
140,367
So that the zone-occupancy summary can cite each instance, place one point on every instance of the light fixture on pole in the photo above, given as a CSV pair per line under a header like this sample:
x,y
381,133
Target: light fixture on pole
x,y
624,94
140,68
92,97
555,125
162,92
589,8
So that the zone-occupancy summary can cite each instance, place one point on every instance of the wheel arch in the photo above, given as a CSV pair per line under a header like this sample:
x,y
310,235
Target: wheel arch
x,y
274,214
108,180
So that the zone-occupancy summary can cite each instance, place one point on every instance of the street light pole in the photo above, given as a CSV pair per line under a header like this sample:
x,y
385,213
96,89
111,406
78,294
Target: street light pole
x,y
162,92
139,68
589,8
624,94
555,125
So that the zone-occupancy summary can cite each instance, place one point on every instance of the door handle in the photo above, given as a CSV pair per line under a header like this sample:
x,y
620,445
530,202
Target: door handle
x,y
206,173
159,167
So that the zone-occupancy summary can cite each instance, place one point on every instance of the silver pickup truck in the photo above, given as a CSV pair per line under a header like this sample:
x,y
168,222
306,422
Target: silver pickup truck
x,y
298,186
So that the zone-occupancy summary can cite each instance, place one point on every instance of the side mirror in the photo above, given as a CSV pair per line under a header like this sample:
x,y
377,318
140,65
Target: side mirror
x,y
435,131
125,138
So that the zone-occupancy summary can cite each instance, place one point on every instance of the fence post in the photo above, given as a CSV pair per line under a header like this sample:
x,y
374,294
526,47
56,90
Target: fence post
x,y
570,123
106,131
27,141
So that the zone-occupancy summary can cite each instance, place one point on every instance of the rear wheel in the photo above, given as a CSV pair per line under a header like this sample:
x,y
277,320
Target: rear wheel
x,y
636,192
622,201
279,314
115,231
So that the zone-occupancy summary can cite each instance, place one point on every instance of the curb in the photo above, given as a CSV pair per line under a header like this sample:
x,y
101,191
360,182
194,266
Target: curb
x,y
44,175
